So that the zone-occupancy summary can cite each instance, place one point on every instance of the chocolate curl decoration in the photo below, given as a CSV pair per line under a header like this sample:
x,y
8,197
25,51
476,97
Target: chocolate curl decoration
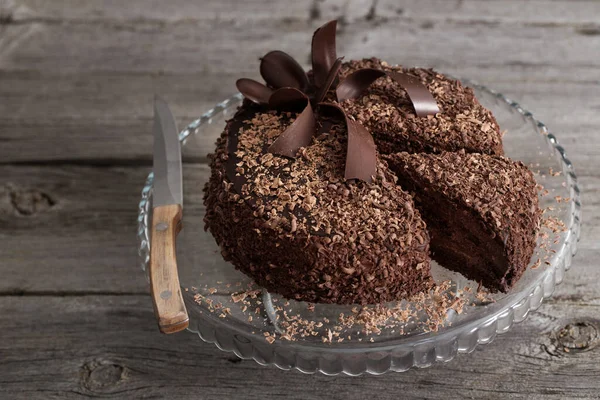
x,y
358,81
323,52
253,90
283,73
361,155
289,88
280,70
288,99
300,132
333,73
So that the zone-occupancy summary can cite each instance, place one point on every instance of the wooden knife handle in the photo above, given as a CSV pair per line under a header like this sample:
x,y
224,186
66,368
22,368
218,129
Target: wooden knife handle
x,y
164,280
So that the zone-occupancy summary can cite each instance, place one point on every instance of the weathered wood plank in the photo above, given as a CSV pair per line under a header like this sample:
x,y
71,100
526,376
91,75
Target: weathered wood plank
x,y
77,82
94,117
550,12
190,46
545,12
103,117
102,98
106,346
73,228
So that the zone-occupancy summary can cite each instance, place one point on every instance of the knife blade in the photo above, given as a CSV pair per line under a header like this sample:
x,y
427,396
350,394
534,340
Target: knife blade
x,y
165,289
167,157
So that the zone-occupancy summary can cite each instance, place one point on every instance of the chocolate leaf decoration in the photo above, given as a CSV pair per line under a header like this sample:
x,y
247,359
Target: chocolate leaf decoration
x,y
288,98
361,156
279,70
253,90
358,81
333,73
420,96
323,52
298,134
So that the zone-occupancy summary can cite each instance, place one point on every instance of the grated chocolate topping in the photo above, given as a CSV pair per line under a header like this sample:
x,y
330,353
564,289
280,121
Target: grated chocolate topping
x,y
300,229
386,111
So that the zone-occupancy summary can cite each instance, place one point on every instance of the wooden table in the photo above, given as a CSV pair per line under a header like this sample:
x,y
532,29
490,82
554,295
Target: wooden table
x,y
77,80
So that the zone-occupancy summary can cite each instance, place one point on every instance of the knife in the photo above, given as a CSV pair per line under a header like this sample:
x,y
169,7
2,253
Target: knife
x,y
166,222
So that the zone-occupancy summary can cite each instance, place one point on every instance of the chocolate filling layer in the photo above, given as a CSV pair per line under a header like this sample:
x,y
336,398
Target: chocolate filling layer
x,y
459,240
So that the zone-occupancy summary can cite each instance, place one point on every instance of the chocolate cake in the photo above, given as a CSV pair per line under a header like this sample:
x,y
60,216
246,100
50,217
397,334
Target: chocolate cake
x,y
481,211
301,230
386,111
300,199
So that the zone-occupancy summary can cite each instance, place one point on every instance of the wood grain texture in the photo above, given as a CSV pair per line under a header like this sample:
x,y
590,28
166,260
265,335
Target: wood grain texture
x,y
506,11
189,46
86,220
165,289
77,80
106,119
106,346
63,95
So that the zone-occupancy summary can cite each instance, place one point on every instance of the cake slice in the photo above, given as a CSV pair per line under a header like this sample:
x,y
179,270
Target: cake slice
x,y
481,211
386,111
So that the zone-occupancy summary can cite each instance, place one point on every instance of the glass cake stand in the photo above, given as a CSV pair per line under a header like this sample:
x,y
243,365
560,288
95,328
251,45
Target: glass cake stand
x,y
253,328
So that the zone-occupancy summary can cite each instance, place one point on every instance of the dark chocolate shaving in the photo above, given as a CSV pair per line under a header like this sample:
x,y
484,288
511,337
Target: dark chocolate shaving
x,y
333,73
357,82
323,52
361,156
253,90
298,134
279,70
